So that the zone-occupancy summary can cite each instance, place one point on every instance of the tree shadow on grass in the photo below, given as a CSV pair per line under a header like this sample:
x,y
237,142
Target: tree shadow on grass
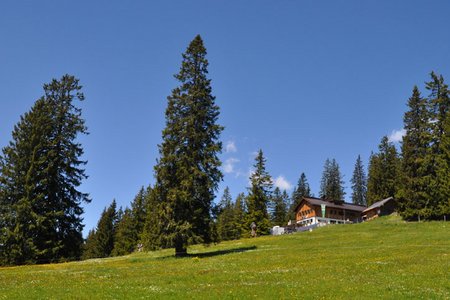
x,y
221,252
213,253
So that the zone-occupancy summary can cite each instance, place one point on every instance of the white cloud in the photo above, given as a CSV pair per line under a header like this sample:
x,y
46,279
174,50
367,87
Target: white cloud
x,y
282,183
397,135
249,174
228,166
230,147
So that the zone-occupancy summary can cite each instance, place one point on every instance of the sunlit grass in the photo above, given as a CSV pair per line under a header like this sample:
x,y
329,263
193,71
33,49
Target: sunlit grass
x,y
385,258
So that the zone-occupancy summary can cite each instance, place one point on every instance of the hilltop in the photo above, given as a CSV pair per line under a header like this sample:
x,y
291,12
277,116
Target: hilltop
x,y
384,258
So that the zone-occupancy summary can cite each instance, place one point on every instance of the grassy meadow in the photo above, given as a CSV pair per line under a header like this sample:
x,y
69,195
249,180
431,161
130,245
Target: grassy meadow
x,y
385,258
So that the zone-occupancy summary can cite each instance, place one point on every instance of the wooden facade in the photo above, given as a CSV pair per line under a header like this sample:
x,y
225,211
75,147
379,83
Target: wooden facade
x,y
309,212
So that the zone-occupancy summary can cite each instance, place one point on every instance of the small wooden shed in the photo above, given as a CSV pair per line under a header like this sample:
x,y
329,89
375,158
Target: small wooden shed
x,y
381,208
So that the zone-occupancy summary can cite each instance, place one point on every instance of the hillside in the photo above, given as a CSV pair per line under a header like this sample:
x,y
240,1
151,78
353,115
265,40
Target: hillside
x,y
384,258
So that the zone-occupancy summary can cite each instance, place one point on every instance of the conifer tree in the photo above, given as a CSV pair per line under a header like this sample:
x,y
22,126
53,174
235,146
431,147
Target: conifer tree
x,y
239,215
302,190
151,233
331,186
225,222
359,183
139,210
102,240
17,242
259,196
126,235
437,161
412,194
287,201
187,173
40,172
130,227
383,178
90,246
279,214
444,203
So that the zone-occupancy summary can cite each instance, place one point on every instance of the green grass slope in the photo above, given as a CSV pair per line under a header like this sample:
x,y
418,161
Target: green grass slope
x,y
384,258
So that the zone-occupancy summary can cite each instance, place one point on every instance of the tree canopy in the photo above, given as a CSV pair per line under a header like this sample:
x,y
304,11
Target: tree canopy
x,y
259,195
331,185
187,172
40,172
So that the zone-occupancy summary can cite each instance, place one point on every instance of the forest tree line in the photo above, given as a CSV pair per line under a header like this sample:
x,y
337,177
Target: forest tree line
x,y
41,170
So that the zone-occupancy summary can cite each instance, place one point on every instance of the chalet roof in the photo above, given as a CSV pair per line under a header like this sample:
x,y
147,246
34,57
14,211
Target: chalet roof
x,y
343,205
378,204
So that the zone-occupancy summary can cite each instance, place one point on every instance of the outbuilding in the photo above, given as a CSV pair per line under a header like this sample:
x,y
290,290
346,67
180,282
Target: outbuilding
x,y
381,208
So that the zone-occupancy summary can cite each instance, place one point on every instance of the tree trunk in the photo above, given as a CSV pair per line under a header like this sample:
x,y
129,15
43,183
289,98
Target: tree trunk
x,y
180,249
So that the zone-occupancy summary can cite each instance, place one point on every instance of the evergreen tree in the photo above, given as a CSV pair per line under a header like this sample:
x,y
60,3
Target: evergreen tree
x,y
302,190
325,179
130,228
187,173
437,161
225,222
287,202
415,179
90,246
444,172
359,183
40,172
17,242
239,216
331,186
259,196
151,234
279,214
139,211
383,178
126,235
102,240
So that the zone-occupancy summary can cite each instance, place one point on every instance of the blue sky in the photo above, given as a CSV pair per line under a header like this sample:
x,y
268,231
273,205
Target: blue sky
x,y
302,80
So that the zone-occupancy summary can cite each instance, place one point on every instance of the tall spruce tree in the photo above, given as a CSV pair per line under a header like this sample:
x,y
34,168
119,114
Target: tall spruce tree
x,y
302,190
126,235
437,160
413,195
225,222
40,172
187,172
331,186
444,204
101,242
139,211
17,242
359,183
280,202
89,246
130,229
259,196
151,232
384,172
239,215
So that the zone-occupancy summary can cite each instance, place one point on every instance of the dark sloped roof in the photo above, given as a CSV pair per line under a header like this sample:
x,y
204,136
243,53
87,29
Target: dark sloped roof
x,y
379,204
344,205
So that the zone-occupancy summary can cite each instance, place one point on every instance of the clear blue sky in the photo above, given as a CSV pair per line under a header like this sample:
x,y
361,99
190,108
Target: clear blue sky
x,y
303,80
